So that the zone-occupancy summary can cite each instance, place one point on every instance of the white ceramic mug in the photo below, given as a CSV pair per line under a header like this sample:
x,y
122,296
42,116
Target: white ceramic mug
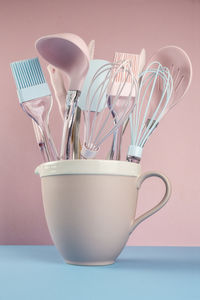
x,y
90,207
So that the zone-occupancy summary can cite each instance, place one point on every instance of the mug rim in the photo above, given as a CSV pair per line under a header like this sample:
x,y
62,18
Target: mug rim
x,y
88,167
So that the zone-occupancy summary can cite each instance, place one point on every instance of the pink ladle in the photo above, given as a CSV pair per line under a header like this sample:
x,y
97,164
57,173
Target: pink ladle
x,y
69,53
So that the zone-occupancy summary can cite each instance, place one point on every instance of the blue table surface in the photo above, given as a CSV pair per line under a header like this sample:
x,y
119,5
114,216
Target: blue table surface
x,y
38,272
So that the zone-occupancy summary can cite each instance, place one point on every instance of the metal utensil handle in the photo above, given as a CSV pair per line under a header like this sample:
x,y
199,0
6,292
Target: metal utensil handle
x,y
68,124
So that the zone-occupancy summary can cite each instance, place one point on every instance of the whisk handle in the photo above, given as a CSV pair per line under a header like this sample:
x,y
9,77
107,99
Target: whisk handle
x,y
160,204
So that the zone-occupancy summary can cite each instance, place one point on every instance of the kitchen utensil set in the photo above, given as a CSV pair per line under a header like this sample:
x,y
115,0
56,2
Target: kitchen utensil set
x,y
109,94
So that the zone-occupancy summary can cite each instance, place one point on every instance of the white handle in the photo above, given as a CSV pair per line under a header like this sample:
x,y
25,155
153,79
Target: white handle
x,y
160,204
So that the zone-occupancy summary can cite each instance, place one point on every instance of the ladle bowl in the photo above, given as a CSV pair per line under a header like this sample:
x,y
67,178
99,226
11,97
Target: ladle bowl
x,y
67,52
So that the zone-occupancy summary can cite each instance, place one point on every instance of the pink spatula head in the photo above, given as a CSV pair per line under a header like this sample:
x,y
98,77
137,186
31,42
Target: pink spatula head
x,y
180,67
67,52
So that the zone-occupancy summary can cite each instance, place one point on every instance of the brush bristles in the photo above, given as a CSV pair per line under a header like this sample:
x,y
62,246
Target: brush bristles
x,y
133,58
27,73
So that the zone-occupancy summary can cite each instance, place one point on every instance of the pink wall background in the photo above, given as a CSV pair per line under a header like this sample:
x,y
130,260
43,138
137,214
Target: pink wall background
x,y
174,149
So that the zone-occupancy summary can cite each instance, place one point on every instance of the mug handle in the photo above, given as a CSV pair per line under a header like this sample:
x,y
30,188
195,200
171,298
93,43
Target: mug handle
x,y
160,204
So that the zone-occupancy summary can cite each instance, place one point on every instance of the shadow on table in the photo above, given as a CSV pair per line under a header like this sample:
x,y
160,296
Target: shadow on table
x,y
158,264
189,261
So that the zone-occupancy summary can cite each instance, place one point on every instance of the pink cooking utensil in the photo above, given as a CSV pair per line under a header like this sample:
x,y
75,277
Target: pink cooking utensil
x,y
180,67
57,82
69,53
